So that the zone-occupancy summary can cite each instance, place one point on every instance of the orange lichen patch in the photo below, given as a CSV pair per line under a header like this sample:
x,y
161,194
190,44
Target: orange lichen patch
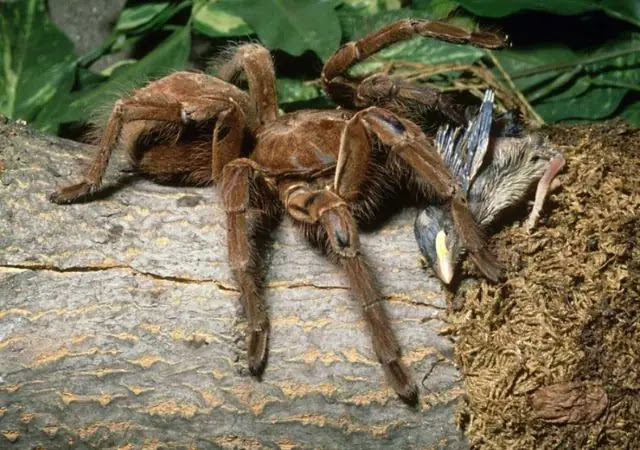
x,y
27,417
147,361
377,430
200,338
50,430
210,398
218,374
352,378
113,427
418,354
60,311
254,400
313,324
153,328
289,321
353,356
103,400
178,334
10,388
296,390
396,297
281,322
137,390
64,352
11,435
3,411
47,358
14,311
127,447
12,339
381,397
172,408
313,355
285,444
99,373
125,337
234,442
78,339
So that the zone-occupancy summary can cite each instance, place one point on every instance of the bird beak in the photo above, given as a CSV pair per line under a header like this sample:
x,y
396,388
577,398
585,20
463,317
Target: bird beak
x,y
444,265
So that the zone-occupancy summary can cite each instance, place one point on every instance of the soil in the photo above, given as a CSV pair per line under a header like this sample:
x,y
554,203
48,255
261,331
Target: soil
x,y
551,357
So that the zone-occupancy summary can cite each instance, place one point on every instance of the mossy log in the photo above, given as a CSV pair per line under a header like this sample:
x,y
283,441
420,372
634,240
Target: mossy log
x,y
120,325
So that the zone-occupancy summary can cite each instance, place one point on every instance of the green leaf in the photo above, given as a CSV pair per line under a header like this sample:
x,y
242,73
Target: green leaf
x,y
597,103
213,20
37,60
440,9
294,26
420,50
169,56
632,114
621,9
138,15
293,90
562,84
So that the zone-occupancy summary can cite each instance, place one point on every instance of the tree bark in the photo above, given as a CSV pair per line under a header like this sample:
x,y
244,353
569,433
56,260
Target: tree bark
x,y
120,323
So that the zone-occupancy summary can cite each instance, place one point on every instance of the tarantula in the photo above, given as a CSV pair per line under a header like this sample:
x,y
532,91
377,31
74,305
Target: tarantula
x,y
326,169
511,161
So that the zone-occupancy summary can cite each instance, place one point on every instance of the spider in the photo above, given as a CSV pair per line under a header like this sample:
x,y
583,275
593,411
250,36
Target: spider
x,y
326,169
496,173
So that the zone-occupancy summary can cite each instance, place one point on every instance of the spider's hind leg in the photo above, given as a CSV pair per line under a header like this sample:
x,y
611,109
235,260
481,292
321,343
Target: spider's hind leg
x,y
123,111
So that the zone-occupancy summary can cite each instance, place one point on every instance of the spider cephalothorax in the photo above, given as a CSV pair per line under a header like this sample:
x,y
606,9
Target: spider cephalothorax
x,y
327,169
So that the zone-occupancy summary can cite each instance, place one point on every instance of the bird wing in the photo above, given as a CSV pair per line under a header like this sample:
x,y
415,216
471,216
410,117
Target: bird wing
x,y
463,149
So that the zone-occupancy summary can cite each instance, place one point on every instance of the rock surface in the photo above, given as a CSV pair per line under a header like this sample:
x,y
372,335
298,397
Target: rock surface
x,y
119,324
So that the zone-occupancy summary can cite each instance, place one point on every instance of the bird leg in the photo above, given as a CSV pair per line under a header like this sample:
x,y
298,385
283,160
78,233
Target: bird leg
x,y
545,185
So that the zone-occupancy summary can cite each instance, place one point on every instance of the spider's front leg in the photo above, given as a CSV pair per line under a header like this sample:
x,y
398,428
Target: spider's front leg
x,y
344,90
405,140
236,188
326,212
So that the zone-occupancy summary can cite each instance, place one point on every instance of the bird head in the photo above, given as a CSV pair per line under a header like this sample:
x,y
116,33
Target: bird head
x,y
438,241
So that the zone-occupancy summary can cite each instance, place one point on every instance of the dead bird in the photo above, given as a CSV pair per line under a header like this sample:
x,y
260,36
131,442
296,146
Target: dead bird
x,y
497,165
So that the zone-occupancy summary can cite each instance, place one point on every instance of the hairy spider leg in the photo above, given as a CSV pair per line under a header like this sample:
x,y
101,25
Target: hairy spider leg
x,y
153,106
331,224
256,63
124,111
237,191
405,139
343,89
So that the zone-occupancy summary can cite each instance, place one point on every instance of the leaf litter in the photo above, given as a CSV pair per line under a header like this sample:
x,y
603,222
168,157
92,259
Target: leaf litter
x,y
551,356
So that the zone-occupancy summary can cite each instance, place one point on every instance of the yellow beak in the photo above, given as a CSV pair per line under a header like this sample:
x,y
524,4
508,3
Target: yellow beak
x,y
444,265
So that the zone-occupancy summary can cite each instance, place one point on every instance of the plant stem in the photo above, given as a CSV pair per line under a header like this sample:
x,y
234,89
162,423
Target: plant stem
x,y
535,117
